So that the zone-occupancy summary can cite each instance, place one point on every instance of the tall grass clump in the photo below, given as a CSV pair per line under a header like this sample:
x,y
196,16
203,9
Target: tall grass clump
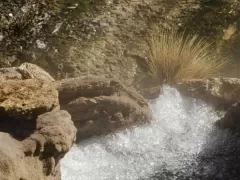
x,y
174,56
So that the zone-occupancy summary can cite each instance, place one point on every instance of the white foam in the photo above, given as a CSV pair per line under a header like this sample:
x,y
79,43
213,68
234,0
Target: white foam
x,y
173,140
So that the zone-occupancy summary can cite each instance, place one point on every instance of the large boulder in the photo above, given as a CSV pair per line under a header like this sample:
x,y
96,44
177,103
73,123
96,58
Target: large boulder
x,y
220,92
26,99
37,156
25,71
231,119
34,133
99,106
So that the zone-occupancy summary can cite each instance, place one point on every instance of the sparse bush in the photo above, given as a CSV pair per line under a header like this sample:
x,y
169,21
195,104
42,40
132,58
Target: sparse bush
x,y
174,56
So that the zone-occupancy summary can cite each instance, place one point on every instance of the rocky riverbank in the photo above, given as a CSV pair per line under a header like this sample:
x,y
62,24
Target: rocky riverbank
x,y
34,133
96,50
38,116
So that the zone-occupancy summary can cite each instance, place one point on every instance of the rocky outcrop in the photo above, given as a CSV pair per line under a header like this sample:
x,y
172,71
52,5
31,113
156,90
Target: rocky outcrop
x,y
34,133
220,92
99,106
231,119
76,38
99,37
25,71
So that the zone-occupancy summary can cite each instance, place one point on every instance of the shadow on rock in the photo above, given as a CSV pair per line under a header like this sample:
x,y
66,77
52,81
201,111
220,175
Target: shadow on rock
x,y
101,106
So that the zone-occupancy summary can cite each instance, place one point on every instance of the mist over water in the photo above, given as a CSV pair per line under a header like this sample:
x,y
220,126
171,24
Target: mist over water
x,y
180,143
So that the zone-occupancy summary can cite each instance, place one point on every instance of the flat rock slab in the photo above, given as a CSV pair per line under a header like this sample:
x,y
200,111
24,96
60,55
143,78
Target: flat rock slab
x,y
26,99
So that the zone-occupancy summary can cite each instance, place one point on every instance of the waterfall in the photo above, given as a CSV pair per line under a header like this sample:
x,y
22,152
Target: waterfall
x,y
180,143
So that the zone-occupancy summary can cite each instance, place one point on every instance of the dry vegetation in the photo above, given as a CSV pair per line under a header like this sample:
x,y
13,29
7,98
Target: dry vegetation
x,y
174,56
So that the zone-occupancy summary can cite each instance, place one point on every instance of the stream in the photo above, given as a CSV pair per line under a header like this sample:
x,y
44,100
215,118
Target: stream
x,y
181,143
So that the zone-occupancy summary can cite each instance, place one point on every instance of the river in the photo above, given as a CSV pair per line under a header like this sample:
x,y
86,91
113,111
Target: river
x,y
180,143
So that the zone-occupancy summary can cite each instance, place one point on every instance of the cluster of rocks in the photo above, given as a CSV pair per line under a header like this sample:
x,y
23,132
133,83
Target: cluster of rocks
x,y
40,118
34,132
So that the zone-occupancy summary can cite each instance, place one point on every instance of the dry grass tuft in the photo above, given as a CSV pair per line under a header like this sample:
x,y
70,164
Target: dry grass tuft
x,y
174,56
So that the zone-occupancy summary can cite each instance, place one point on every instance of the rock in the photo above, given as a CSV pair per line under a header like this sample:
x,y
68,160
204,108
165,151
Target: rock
x,y
151,93
33,71
10,156
37,156
58,131
34,133
26,99
220,92
10,73
25,71
231,119
149,87
100,106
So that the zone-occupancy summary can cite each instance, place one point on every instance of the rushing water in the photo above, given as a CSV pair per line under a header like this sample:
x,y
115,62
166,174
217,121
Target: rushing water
x,y
180,143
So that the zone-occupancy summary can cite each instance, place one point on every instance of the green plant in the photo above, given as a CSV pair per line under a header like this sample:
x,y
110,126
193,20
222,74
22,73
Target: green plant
x,y
174,56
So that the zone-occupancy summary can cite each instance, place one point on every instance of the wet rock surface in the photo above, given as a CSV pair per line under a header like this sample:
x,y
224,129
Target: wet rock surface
x,y
220,92
100,106
231,119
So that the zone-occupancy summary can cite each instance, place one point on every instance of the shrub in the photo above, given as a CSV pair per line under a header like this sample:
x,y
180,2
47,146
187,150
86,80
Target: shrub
x,y
174,56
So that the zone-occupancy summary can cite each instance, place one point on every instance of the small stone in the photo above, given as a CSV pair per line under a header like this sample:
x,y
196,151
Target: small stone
x,y
24,9
41,44
57,27
1,37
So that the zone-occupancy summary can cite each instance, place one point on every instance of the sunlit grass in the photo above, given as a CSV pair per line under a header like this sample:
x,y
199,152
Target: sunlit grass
x,y
174,56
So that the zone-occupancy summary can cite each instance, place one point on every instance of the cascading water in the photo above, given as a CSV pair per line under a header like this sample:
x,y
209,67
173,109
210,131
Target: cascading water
x,y
180,143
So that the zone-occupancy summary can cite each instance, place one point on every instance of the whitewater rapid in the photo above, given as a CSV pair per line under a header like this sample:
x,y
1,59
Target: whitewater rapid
x,y
168,148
